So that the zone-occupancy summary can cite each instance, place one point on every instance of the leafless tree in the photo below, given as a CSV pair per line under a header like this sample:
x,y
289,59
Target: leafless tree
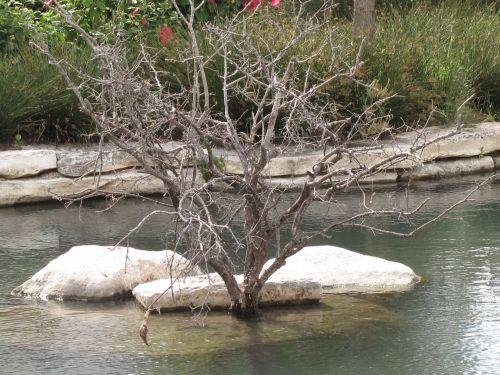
x,y
133,108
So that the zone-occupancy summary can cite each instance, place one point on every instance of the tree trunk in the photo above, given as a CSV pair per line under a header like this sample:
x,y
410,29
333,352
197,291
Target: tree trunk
x,y
363,25
250,303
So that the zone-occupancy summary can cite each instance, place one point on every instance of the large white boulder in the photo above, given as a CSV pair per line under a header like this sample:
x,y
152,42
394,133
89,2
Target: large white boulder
x,y
210,290
96,273
22,163
344,271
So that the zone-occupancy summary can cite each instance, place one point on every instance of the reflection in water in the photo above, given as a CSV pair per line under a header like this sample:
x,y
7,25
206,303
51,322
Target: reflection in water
x,y
449,324
484,354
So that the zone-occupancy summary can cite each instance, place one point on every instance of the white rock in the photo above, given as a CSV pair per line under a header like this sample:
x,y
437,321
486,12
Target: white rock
x,y
98,273
344,271
84,161
210,290
76,164
297,182
16,164
445,168
38,190
301,164
478,140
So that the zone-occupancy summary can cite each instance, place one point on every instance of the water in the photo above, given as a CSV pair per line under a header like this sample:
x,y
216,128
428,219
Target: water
x,y
448,325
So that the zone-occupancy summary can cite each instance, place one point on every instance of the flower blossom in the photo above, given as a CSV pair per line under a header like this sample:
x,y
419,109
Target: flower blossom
x,y
144,22
253,4
212,1
165,34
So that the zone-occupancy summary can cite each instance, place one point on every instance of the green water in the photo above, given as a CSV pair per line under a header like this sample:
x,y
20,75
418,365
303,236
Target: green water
x,y
448,325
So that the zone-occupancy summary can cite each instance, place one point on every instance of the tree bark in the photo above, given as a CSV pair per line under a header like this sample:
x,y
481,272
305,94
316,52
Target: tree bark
x,y
250,303
363,26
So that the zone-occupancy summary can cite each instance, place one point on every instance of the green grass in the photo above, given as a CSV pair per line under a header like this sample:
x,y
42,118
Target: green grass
x,y
439,55
34,99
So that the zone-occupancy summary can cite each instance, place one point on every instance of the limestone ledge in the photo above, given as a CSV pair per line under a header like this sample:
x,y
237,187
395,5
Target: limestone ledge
x,y
38,174
39,189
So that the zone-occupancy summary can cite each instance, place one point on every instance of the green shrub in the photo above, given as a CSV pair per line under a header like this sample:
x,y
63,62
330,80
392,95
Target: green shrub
x,y
35,100
12,31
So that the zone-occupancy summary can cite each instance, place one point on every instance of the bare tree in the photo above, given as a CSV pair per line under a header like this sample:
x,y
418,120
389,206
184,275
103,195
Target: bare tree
x,y
133,108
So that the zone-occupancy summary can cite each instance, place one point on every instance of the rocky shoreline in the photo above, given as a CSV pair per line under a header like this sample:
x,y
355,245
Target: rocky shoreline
x,y
45,173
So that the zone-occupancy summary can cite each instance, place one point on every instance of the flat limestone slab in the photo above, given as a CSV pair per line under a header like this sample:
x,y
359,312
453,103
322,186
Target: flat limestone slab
x,y
23,163
450,168
297,182
343,271
87,161
477,140
97,273
299,165
80,163
209,290
39,190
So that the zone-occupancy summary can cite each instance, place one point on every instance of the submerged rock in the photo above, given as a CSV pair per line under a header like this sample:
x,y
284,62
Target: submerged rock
x,y
210,290
344,271
98,273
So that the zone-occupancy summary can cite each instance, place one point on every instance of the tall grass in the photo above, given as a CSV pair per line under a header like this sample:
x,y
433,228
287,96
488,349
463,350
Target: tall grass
x,y
438,55
34,99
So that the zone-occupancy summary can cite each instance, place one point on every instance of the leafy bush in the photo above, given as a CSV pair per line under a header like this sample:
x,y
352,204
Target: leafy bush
x,y
12,31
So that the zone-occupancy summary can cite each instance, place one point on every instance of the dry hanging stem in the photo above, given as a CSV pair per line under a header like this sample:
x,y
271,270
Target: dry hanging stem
x,y
143,329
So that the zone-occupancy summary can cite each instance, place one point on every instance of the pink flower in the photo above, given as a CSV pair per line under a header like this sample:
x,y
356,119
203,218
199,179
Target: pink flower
x,y
275,3
251,4
135,11
165,34
144,22
212,1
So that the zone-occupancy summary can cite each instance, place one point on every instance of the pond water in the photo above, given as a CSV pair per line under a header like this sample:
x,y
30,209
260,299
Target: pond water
x,y
448,325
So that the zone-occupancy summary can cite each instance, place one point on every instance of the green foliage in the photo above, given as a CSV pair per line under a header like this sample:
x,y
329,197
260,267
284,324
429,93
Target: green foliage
x,y
19,140
205,170
107,18
34,100
12,31
430,55
438,56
